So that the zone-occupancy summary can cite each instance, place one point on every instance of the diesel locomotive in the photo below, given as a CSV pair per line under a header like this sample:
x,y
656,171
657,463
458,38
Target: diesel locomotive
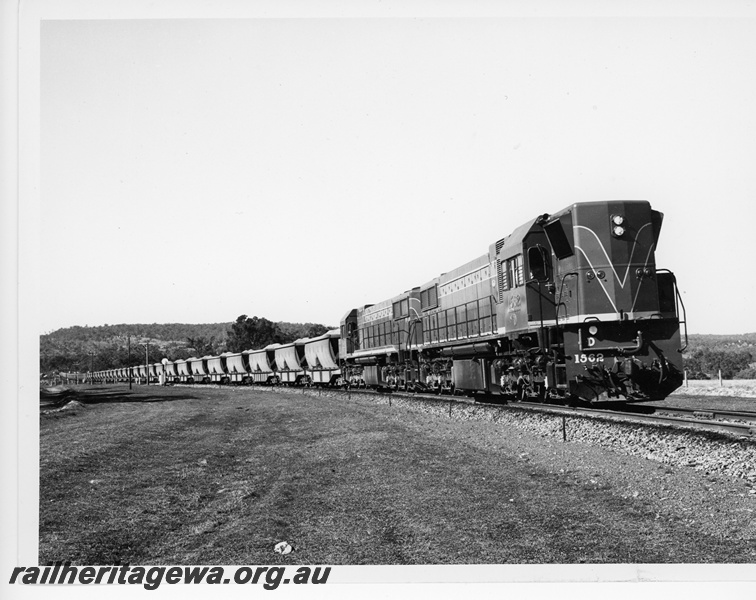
x,y
569,306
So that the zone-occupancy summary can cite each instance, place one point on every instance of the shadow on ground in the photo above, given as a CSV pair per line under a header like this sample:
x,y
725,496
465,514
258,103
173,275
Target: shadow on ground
x,y
95,397
48,401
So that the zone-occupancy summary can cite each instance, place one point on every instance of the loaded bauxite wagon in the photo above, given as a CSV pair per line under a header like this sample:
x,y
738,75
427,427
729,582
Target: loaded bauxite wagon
x,y
183,370
171,374
322,355
291,362
237,366
161,369
198,367
217,368
262,364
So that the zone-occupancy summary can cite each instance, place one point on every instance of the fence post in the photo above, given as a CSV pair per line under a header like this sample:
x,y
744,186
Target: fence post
x,y
720,377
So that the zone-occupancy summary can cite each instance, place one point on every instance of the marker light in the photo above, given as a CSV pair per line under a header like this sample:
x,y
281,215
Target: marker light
x,y
593,330
618,219
618,230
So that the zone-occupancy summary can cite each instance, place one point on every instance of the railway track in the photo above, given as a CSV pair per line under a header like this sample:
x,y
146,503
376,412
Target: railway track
x,y
731,422
734,423
712,415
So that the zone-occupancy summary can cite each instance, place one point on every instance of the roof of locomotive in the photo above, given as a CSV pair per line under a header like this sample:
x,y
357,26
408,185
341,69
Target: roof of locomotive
x,y
574,205
354,311
513,240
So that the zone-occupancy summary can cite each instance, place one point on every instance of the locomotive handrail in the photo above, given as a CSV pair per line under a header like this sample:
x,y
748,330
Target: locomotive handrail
x,y
679,301
542,342
559,299
626,350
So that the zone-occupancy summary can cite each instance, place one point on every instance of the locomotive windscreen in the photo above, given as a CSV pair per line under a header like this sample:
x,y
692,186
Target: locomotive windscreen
x,y
558,239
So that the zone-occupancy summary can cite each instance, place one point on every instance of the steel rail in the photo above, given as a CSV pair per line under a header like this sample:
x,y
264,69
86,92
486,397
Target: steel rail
x,y
742,429
711,414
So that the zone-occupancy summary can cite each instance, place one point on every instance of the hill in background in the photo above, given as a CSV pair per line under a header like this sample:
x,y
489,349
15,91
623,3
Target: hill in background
x,y
106,346
734,355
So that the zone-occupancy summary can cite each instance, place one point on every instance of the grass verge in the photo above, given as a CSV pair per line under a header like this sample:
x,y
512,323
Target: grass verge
x,y
219,476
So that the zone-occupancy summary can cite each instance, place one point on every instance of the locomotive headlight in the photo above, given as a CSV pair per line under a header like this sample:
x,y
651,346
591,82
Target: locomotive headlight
x,y
593,330
618,225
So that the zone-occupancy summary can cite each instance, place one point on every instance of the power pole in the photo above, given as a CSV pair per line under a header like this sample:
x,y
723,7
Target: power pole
x,y
147,361
128,342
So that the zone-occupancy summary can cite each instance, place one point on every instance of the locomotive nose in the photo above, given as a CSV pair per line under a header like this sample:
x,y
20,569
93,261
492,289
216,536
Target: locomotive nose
x,y
615,249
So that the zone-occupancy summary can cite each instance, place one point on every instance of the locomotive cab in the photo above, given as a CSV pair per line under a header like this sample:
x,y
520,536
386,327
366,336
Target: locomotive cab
x,y
617,318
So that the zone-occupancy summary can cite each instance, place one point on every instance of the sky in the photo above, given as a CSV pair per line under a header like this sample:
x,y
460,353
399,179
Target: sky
x,y
194,170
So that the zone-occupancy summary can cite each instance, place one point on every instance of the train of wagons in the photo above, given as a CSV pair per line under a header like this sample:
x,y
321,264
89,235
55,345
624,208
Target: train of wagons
x,y
568,306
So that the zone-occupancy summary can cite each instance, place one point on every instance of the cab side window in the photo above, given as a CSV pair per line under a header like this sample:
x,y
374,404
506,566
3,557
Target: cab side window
x,y
514,272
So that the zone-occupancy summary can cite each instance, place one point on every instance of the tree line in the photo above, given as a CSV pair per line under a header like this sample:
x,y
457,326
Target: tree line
x,y
107,346
733,363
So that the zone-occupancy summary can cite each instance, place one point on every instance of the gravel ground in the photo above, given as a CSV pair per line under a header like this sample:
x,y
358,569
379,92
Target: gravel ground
x,y
705,480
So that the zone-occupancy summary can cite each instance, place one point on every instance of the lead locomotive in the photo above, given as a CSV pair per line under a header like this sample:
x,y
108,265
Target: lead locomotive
x,y
568,306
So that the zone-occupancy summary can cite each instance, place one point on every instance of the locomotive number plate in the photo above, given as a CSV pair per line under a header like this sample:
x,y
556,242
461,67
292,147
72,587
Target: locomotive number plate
x,y
586,358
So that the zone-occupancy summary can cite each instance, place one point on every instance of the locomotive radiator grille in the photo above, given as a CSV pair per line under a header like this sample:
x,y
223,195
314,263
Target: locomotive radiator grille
x,y
501,279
